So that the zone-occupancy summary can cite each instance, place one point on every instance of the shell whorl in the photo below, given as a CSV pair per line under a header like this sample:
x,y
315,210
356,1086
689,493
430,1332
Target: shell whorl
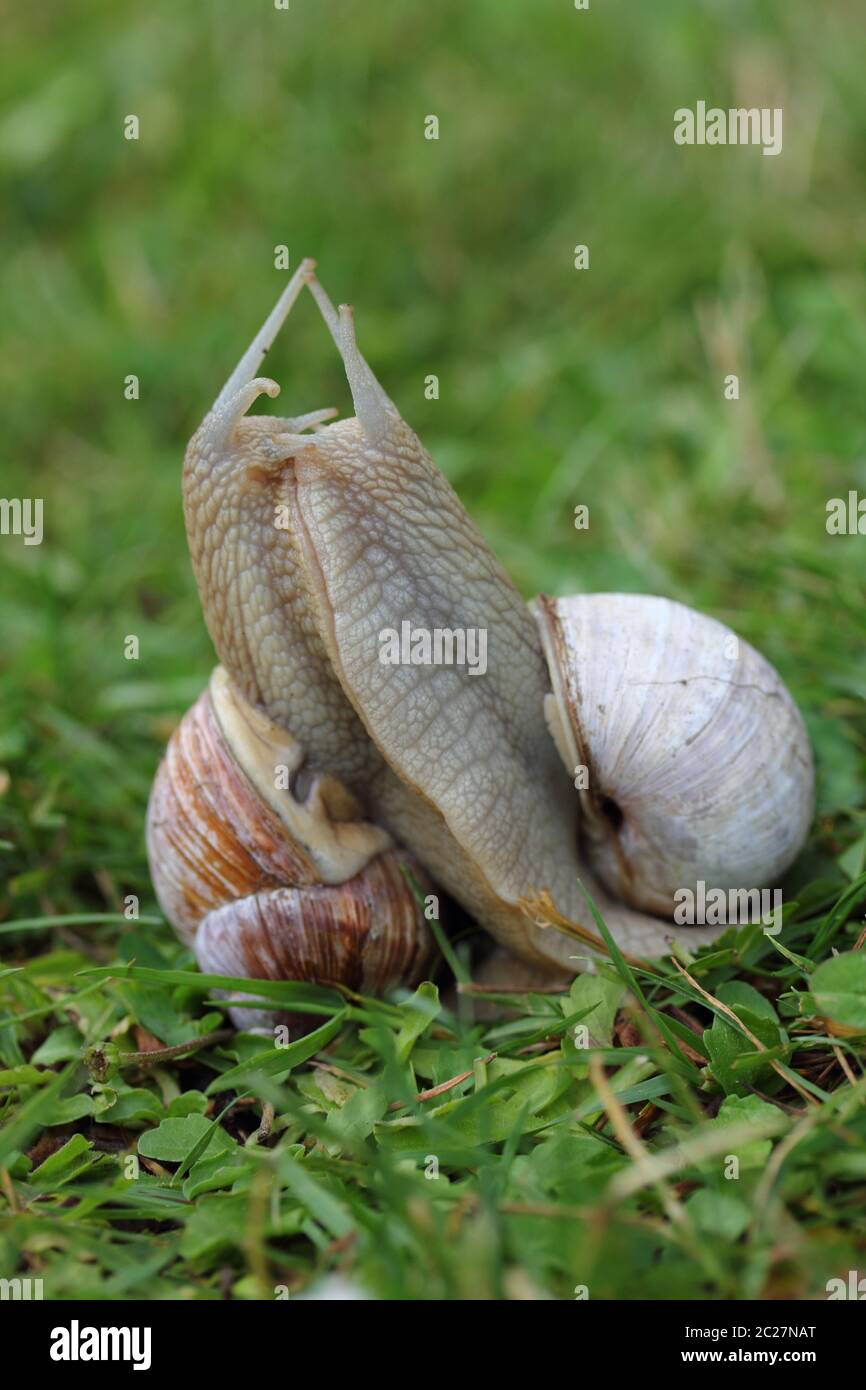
x,y
264,883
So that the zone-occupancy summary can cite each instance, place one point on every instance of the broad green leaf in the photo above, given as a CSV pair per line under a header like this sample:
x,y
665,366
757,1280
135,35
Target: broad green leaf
x,y
720,1215
66,1112
214,1171
215,1228
417,1015
735,1110
853,861
572,1167
603,998
156,1010
128,1105
175,1138
25,1075
739,994
838,987
726,1045
354,1121
188,1103
334,1090
61,1044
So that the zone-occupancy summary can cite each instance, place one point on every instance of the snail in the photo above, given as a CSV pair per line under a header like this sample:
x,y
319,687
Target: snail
x,y
317,796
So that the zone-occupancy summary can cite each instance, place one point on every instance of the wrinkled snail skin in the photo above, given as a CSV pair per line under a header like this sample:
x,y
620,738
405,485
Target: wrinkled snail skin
x,y
459,768
308,540
251,574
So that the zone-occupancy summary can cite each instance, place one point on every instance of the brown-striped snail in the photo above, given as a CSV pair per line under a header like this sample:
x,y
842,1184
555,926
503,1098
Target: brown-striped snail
x,y
312,773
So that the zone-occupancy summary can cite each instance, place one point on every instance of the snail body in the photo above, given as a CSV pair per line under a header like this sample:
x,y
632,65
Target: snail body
x,y
310,539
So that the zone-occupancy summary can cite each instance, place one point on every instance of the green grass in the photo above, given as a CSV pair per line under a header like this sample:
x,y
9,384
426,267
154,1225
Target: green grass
x,y
557,387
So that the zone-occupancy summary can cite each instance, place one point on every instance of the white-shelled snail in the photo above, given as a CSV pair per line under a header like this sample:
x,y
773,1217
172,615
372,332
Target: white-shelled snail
x,y
294,789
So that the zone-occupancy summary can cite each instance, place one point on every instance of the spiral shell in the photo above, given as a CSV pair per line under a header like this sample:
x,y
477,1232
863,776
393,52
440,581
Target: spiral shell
x,y
267,883
697,763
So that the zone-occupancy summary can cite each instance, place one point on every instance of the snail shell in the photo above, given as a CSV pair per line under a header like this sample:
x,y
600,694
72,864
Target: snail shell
x,y
276,884
698,765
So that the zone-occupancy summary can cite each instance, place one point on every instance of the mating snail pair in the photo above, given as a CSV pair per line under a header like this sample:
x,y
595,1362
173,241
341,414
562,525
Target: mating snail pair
x,y
312,781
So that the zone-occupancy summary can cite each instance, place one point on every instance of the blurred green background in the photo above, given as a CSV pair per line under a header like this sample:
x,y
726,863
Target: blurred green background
x,y
305,127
